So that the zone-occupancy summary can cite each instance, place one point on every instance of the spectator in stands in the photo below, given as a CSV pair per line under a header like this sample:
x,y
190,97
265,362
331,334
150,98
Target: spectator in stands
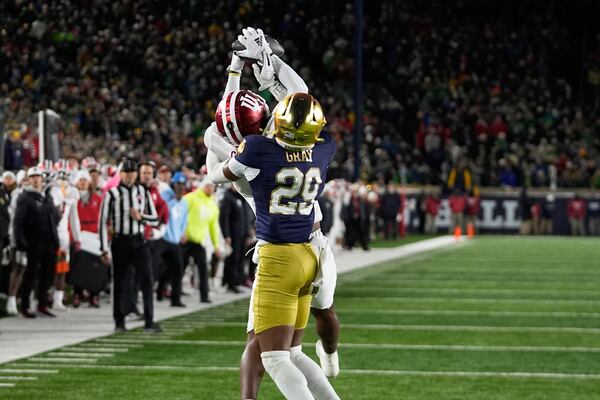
x,y
203,218
164,177
576,210
390,207
458,205
432,205
35,229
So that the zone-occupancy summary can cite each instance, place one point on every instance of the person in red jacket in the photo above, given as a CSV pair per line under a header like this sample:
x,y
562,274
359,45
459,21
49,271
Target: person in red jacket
x,y
88,209
473,208
432,206
458,204
576,210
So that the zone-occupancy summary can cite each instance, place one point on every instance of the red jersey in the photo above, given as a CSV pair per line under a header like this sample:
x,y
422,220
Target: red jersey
x,y
576,208
162,210
473,206
432,205
89,212
458,203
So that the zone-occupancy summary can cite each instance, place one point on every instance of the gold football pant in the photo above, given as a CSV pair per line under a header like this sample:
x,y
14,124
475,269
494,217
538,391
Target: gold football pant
x,y
282,293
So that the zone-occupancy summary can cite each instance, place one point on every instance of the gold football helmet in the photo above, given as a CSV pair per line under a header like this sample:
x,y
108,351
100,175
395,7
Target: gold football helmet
x,y
299,120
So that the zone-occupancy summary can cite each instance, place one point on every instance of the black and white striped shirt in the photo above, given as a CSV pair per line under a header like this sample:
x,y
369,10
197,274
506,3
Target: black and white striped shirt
x,y
115,212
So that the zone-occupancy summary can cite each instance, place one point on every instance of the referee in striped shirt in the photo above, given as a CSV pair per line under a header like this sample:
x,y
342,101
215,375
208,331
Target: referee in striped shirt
x,y
125,210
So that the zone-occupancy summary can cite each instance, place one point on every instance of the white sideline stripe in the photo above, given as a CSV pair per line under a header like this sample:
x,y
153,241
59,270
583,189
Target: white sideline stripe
x,y
7,385
489,300
84,350
541,314
550,292
498,374
18,378
394,346
28,371
63,359
78,355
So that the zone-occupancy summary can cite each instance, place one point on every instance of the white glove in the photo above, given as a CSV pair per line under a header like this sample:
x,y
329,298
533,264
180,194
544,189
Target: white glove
x,y
264,72
254,42
265,75
237,64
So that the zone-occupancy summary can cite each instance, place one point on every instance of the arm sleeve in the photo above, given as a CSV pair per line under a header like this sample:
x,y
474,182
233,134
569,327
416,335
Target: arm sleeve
x,y
288,77
74,223
149,214
225,210
214,168
217,144
103,221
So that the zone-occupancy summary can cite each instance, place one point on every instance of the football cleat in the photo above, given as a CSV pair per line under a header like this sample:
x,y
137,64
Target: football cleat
x,y
330,363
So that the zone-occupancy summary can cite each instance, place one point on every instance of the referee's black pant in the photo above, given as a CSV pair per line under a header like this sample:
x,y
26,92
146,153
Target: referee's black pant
x,y
130,254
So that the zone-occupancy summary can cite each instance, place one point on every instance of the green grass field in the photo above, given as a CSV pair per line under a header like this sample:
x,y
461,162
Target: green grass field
x,y
495,318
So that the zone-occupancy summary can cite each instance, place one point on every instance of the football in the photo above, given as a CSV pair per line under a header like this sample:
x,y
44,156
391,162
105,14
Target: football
x,y
276,47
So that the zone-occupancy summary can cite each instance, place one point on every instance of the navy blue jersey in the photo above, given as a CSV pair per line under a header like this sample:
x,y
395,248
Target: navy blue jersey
x,y
285,184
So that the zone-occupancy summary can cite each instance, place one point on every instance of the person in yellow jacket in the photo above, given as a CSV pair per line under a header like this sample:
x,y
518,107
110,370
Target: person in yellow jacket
x,y
203,219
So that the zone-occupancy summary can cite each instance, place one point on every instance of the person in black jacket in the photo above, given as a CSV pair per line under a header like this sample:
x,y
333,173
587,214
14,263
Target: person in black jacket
x,y
326,206
35,223
8,185
234,228
390,207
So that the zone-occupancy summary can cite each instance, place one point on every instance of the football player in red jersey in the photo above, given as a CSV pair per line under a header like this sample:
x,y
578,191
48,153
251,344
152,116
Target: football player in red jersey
x,y
235,117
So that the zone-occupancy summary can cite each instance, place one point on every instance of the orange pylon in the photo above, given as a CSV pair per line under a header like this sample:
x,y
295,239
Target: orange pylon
x,y
470,231
457,232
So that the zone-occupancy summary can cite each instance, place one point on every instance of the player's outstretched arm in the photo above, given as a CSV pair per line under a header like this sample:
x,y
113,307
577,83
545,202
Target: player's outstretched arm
x,y
234,74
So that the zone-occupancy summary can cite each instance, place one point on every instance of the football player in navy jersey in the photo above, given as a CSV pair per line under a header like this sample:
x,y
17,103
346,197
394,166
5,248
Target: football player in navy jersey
x,y
243,113
286,175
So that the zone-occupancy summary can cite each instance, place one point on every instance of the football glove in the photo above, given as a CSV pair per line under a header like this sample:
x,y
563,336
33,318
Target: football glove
x,y
265,76
254,43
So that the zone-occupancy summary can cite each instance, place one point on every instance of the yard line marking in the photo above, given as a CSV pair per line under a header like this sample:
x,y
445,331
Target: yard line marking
x,y
18,378
541,314
392,299
116,346
474,328
541,375
7,385
550,292
28,371
475,374
84,350
394,346
77,355
441,278
63,359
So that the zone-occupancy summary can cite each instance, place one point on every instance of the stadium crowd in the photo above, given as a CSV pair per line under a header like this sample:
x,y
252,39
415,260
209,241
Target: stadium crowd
x,y
495,88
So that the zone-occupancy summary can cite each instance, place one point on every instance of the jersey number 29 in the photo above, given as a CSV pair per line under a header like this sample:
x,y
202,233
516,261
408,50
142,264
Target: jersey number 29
x,y
306,185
